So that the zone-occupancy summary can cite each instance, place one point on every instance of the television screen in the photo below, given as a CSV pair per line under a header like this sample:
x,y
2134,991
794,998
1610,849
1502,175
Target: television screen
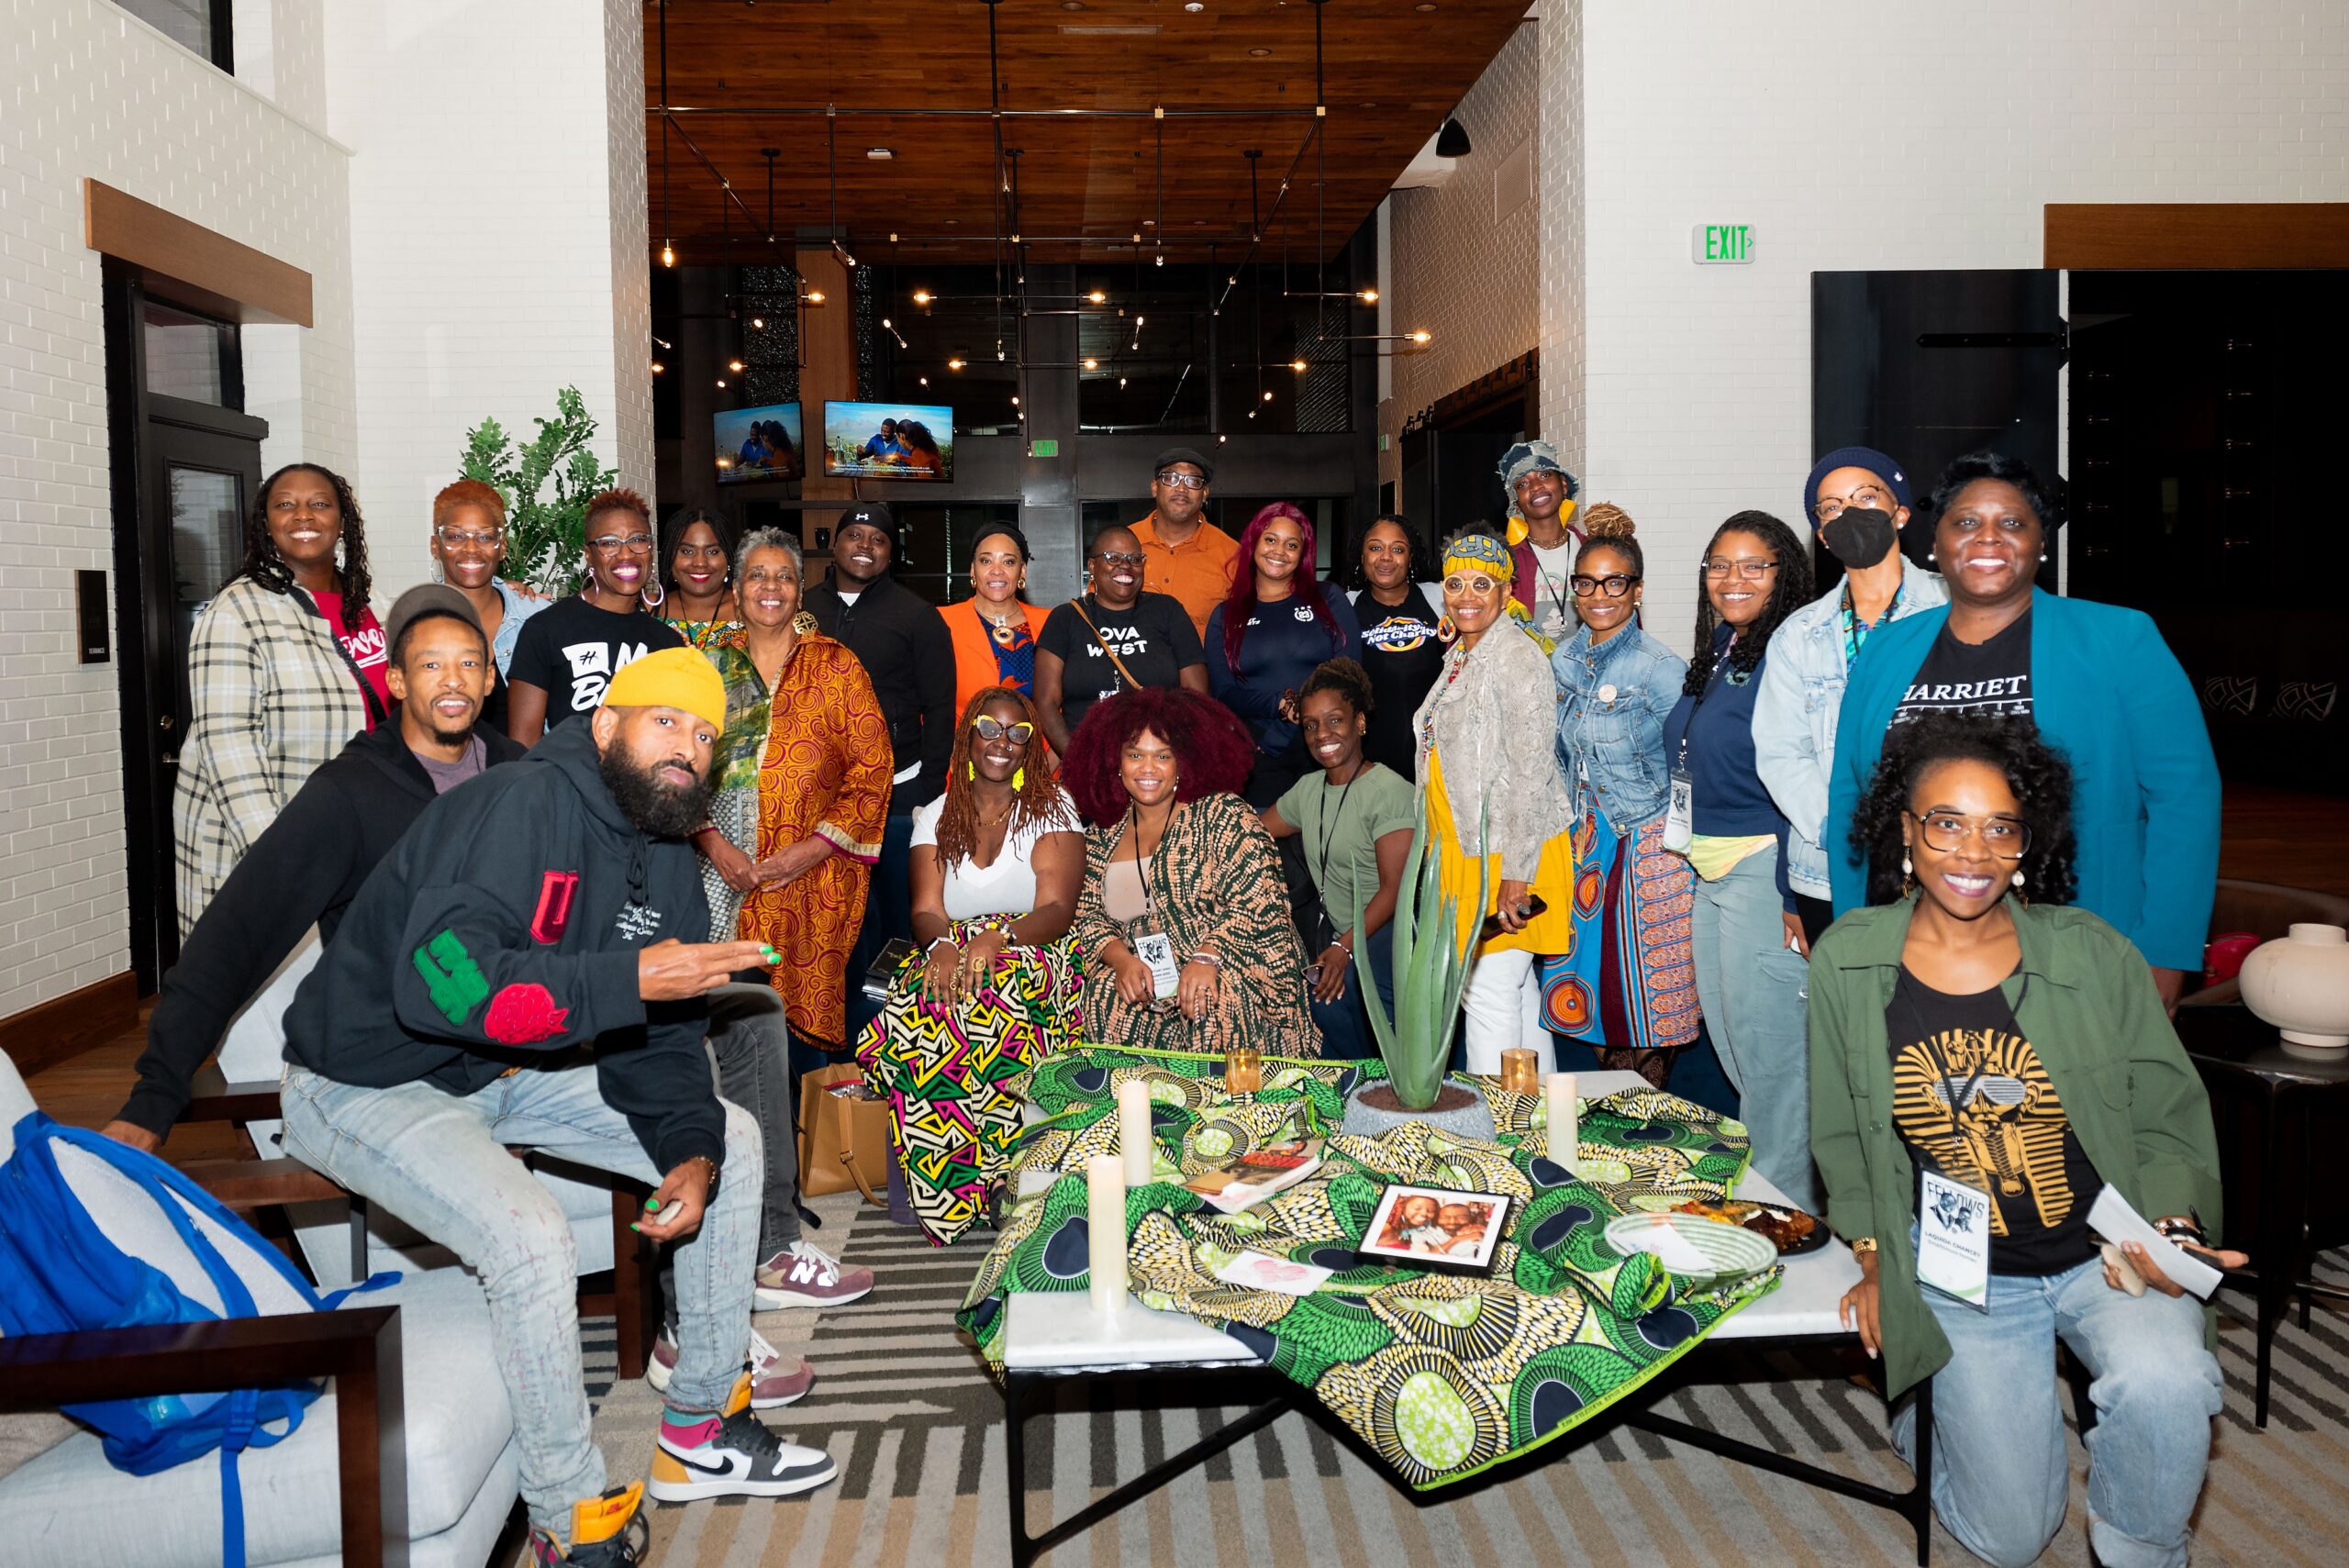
x,y
758,444
888,441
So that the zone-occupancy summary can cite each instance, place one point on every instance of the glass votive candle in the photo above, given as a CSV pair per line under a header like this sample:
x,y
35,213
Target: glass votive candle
x,y
1521,1070
1243,1070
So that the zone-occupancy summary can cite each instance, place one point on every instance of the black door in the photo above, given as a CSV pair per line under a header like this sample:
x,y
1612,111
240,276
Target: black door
x,y
186,472
1927,366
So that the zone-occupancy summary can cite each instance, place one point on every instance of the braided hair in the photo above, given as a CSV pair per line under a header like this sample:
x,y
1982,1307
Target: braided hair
x,y
265,566
1036,803
1789,591
1343,676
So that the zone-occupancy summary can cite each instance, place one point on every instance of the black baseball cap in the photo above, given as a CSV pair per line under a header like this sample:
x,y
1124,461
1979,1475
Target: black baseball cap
x,y
874,515
1173,455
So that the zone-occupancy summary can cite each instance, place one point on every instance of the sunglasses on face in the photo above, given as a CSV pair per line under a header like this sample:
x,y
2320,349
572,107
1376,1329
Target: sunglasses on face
x,y
989,729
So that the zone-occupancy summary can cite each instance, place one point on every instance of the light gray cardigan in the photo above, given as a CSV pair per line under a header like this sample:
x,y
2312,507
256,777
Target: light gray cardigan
x,y
1492,713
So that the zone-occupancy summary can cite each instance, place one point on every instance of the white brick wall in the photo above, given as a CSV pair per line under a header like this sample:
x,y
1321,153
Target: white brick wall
x,y
497,192
1462,270
85,90
1861,134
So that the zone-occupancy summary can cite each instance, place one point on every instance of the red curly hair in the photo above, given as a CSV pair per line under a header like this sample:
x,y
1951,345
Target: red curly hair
x,y
467,493
1213,751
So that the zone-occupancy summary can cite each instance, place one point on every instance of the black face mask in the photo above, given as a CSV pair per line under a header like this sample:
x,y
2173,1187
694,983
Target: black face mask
x,y
1859,537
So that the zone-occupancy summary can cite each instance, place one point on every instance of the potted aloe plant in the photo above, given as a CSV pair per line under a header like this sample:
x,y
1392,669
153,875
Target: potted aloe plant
x,y
1430,969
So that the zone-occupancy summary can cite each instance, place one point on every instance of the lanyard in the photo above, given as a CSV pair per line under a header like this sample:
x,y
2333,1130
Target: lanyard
x,y
1856,630
1720,673
1157,863
1330,832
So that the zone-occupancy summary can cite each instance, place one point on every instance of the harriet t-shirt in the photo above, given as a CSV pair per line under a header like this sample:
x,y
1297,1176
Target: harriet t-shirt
x,y
1990,679
571,649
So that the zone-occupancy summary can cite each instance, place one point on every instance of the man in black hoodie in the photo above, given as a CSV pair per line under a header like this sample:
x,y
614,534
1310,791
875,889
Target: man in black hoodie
x,y
307,867
528,966
905,647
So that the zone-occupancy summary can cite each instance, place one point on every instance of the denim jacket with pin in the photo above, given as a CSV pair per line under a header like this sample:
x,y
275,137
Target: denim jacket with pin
x,y
1612,702
1795,712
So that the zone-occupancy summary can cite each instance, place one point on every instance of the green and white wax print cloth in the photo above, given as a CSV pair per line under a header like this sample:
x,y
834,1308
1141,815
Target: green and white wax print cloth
x,y
1445,1375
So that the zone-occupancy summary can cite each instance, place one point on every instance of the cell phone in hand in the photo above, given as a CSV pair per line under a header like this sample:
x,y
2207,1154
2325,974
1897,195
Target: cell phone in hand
x,y
1535,905
892,958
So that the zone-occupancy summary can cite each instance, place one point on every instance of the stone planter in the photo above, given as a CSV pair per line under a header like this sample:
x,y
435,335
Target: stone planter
x,y
1460,1109
2299,982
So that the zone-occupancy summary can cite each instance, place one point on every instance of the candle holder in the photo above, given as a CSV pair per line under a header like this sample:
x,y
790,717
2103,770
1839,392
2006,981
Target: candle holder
x,y
1521,1070
1243,1070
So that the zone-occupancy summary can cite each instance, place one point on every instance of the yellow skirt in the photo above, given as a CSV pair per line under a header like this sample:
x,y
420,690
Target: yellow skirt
x,y
1552,931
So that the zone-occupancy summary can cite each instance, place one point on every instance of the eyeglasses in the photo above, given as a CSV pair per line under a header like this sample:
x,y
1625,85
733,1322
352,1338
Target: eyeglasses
x,y
1867,498
452,539
611,543
1752,569
995,729
1614,585
1174,481
2005,837
1106,559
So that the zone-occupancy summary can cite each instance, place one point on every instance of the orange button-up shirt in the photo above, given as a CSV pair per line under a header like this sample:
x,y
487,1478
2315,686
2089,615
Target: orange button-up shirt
x,y
1197,573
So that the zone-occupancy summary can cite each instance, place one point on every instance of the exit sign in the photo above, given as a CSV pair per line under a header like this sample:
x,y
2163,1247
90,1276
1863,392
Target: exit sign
x,y
1045,448
1719,244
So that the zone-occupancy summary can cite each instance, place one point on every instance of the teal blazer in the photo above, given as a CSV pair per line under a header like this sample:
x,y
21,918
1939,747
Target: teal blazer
x,y
2107,690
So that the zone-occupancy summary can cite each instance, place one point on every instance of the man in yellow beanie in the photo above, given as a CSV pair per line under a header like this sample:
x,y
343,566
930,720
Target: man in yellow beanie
x,y
529,967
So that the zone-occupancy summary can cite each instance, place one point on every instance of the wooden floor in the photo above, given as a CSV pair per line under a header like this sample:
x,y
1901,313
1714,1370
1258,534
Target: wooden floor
x,y
2267,835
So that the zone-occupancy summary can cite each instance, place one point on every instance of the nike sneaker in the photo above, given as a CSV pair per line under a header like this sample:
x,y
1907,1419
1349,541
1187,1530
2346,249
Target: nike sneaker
x,y
803,1274
731,1455
609,1532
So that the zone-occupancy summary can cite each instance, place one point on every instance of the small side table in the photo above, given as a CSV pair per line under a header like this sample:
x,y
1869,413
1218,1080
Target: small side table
x,y
2242,1058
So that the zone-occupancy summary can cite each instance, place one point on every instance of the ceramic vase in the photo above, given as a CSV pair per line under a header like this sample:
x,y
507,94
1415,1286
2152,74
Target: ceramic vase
x,y
2299,982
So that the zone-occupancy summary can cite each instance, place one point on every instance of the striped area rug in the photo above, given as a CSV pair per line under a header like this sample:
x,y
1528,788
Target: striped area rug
x,y
918,1428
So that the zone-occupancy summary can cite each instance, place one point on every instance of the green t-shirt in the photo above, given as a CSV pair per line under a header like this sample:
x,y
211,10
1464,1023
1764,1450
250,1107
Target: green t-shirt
x,y
1340,846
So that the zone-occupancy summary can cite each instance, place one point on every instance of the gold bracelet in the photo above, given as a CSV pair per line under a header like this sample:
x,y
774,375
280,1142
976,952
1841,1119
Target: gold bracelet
x,y
1863,1244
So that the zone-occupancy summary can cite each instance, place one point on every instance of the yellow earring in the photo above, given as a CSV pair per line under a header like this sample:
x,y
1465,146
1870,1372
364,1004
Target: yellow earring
x,y
970,770
1019,778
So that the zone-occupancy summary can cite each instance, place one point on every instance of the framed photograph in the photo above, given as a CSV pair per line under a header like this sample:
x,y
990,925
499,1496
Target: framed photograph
x,y
1437,1228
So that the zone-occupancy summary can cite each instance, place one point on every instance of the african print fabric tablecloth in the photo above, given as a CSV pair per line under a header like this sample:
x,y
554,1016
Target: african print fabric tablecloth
x,y
1445,1375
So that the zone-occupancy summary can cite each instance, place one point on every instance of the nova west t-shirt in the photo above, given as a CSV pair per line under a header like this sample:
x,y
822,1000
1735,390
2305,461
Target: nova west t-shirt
x,y
571,649
1154,639
1338,827
1991,680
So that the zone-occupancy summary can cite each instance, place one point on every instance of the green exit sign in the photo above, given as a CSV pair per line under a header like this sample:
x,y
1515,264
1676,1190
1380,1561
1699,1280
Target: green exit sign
x,y
1045,448
1720,244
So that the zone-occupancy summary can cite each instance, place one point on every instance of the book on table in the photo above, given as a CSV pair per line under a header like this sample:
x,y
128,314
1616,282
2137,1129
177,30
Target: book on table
x,y
1252,1177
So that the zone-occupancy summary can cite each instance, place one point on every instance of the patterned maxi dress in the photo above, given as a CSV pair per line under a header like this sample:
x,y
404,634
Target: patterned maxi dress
x,y
943,1069
1215,886
811,758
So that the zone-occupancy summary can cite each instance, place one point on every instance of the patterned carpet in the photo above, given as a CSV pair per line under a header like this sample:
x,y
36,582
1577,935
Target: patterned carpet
x,y
918,1428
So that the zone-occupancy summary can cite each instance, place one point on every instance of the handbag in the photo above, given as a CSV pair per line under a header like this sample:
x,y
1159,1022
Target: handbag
x,y
843,1138
1127,675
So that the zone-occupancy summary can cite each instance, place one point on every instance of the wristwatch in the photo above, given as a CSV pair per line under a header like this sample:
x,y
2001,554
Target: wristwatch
x,y
1863,1244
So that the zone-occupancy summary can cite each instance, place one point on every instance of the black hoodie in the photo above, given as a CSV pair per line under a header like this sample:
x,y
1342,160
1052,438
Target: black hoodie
x,y
303,871
506,926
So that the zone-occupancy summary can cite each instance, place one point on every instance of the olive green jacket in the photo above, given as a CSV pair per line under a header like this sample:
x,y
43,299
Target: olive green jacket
x,y
2087,1003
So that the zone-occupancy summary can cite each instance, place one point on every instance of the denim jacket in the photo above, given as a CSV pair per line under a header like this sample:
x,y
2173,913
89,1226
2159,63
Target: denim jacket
x,y
1795,713
1612,702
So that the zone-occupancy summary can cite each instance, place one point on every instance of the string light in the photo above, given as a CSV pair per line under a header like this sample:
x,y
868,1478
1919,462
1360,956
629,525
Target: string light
x,y
954,364
668,254
658,367
734,365
1368,297
921,296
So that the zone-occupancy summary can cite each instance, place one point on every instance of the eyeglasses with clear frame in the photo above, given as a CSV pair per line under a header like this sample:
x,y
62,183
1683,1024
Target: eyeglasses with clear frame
x,y
2004,838
612,544
465,539
1752,568
1174,481
1867,498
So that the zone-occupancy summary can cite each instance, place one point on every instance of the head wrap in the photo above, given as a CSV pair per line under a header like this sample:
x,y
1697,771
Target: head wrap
x,y
1480,552
1533,457
1879,463
682,678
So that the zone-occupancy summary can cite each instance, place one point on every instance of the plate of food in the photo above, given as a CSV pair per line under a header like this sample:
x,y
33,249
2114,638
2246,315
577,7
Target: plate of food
x,y
1787,1228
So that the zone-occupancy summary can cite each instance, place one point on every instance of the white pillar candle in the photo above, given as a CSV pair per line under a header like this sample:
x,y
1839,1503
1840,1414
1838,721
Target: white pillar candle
x,y
1564,1111
1133,1130
1105,1189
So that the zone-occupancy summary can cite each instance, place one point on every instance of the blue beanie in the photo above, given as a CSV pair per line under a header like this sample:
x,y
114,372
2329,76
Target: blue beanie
x,y
1879,463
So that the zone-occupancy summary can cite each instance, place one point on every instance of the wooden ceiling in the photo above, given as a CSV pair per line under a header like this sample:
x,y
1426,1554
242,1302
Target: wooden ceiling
x,y
1089,168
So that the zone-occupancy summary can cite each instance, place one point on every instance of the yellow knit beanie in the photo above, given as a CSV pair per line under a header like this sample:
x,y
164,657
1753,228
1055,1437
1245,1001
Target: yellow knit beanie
x,y
680,678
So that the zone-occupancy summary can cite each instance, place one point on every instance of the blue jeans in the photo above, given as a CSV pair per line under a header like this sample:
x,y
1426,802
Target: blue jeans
x,y
437,1161
1345,1023
1752,988
2000,1480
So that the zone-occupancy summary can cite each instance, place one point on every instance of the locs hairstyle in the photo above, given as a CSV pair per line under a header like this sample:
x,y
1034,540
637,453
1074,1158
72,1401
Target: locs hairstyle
x,y
1034,803
2036,771
266,567
1789,591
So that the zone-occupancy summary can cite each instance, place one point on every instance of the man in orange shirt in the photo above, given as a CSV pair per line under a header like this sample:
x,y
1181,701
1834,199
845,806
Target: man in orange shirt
x,y
1184,555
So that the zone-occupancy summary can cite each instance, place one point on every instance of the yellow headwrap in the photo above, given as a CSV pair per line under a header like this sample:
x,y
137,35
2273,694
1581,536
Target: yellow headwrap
x,y
682,678
1478,553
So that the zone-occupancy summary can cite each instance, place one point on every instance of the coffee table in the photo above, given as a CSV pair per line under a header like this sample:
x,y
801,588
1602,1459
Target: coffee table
x,y
1052,1339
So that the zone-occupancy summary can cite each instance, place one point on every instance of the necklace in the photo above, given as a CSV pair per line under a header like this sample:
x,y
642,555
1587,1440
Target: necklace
x,y
1000,817
1000,628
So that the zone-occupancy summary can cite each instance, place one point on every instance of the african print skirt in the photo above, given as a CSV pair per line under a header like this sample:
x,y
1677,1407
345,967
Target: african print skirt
x,y
1631,982
943,1073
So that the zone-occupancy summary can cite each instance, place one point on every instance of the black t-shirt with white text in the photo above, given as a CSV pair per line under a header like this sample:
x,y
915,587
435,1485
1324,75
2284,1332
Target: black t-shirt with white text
x,y
1154,639
1990,679
1403,654
571,650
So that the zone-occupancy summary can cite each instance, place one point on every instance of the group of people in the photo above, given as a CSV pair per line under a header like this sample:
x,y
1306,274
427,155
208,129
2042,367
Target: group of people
x,y
1175,812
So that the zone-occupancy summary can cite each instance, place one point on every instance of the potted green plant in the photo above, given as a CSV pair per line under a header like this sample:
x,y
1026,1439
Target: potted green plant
x,y
1430,969
545,538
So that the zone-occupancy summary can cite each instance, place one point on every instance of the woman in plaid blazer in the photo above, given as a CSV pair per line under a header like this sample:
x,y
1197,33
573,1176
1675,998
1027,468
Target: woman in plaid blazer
x,y
285,666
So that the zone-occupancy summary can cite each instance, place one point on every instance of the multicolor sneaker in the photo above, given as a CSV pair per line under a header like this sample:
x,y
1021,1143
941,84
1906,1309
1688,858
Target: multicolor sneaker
x,y
803,1274
733,1455
605,1533
776,1379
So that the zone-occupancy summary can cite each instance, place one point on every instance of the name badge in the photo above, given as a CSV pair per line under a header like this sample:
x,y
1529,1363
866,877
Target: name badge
x,y
1680,815
1954,1238
1156,949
